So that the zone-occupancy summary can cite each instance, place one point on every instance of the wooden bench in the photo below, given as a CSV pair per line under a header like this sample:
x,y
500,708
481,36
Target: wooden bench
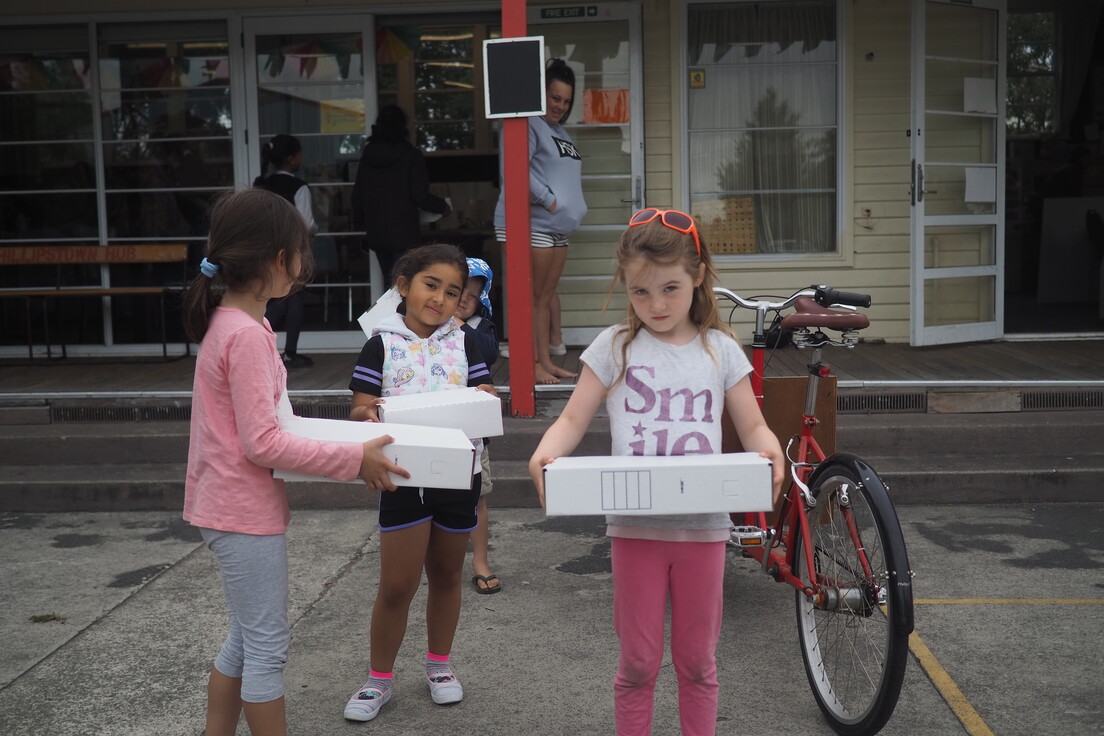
x,y
62,256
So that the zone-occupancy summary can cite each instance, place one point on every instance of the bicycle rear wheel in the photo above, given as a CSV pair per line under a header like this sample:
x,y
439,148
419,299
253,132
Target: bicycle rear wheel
x,y
854,634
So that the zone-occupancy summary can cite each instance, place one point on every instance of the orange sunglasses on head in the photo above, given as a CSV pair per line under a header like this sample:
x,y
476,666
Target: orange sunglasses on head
x,y
673,219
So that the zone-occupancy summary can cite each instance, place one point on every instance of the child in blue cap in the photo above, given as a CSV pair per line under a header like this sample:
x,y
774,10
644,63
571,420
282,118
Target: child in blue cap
x,y
474,313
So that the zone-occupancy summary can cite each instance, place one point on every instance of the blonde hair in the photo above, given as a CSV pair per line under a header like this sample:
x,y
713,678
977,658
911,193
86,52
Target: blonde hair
x,y
664,246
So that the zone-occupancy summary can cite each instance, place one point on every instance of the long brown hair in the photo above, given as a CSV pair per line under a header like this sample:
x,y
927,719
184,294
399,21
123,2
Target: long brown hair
x,y
663,246
248,231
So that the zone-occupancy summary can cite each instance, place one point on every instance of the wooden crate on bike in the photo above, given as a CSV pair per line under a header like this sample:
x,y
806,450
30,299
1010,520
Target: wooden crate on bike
x,y
783,406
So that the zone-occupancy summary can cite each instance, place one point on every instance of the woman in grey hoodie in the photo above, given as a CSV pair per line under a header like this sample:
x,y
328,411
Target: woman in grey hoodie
x,y
556,206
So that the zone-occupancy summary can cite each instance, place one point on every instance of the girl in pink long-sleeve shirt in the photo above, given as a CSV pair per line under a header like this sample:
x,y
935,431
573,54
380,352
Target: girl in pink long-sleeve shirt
x,y
258,249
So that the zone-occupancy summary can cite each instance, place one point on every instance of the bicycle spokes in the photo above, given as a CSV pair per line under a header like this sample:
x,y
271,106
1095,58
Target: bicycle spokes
x,y
843,576
853,641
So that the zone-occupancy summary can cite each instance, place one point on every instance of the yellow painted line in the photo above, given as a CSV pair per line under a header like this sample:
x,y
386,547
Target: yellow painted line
x,y
970,718
1009,601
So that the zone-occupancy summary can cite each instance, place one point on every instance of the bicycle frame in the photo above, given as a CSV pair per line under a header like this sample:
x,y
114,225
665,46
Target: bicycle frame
x,y
792,516
836,540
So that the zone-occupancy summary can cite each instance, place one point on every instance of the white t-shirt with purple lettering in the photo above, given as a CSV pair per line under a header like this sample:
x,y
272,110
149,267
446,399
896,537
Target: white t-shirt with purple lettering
x,y
669,402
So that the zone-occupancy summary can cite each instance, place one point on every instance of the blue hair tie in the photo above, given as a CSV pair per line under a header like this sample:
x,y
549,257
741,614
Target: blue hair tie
x,y
208,269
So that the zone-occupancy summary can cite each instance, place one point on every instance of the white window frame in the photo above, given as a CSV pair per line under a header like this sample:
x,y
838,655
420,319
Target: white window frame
x,y
844,248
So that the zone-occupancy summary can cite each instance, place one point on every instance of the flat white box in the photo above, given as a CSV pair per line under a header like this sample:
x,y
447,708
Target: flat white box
x,y
475,413
650,485
435,457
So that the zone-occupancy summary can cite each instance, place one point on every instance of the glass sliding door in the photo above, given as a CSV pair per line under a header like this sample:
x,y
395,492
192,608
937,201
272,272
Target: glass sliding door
x,y
602,45
313,78
111,133
47,164
957,171
165,119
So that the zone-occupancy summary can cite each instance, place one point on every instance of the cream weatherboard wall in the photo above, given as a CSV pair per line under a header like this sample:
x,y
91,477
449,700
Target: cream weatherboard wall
x,y
880,101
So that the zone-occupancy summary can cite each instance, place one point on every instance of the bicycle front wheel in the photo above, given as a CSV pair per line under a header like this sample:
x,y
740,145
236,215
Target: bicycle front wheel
x,y
854,631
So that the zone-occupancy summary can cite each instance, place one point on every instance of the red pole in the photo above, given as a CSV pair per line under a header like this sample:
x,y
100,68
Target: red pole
x,y
519,279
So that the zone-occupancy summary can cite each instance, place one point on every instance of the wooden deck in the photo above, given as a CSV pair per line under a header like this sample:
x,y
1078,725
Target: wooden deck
x,y
1075,363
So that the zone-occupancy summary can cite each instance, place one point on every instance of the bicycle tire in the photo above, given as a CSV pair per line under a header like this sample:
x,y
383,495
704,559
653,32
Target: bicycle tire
x,y
855,643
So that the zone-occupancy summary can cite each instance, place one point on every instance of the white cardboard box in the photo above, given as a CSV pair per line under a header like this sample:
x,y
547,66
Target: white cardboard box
x,y
435,457
650,485
387,304
476,413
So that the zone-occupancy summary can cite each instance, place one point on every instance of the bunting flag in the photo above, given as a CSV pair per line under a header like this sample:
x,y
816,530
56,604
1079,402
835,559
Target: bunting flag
x,y
393,44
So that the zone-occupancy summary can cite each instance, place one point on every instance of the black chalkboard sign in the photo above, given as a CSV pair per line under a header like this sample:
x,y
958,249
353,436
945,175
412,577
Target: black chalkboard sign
x,y
513,77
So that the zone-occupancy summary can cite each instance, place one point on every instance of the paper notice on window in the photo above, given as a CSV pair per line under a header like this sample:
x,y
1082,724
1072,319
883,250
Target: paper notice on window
x,y
341,116
605,106
979,95
981,184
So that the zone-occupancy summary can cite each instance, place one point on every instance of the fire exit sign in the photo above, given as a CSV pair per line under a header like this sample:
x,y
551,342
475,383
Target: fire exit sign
x,y
569,11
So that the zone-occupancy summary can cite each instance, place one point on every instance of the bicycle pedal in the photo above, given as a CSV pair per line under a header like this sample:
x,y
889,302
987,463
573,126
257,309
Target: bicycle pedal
x,y
748,536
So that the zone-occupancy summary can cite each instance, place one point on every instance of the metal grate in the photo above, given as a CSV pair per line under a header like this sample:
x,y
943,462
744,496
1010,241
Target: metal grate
x,y
75,414
172,412
882,403
164,413
323,411
1051,400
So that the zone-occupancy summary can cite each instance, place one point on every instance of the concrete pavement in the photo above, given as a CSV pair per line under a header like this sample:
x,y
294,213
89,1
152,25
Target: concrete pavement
x,y
1009,605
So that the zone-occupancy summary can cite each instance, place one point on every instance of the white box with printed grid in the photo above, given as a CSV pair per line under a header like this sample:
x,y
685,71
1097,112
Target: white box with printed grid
x,y
650,485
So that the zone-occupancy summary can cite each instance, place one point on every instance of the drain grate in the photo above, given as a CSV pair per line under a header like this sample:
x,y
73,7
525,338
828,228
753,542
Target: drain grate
x,y
164,413
895,403
172,412
323,411
76,414
1049,400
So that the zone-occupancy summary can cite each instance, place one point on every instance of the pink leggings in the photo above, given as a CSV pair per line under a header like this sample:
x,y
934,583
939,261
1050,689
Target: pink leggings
x,y
645,573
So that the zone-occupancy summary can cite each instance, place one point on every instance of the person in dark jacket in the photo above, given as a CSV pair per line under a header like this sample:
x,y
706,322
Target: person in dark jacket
x,y
392,184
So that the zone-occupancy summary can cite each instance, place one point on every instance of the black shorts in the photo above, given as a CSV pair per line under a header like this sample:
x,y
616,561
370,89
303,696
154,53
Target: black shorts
x,y
450,509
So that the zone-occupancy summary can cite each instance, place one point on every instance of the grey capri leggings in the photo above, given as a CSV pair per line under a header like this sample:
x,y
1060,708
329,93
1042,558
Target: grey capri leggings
x,y
255,580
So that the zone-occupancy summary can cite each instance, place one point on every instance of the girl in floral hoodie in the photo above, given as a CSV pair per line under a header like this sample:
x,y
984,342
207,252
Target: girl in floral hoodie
x,y
420,348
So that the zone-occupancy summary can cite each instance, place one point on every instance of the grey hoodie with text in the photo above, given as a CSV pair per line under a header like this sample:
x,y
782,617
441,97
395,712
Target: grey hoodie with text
x,y
555,175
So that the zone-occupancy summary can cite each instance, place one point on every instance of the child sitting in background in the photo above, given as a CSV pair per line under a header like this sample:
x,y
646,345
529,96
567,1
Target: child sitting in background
x,y
474,313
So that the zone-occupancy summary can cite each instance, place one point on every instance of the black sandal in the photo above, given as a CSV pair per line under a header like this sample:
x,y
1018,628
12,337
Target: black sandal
x,y
486,581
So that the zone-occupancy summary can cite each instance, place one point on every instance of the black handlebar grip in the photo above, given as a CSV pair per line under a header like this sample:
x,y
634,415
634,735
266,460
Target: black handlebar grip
x,y
826,296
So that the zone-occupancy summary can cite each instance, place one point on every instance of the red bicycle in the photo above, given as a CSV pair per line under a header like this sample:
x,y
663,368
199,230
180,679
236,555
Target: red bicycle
x,y
836,538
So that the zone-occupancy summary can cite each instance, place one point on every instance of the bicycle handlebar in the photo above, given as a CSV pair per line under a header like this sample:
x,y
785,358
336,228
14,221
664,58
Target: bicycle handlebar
x,y
824,295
